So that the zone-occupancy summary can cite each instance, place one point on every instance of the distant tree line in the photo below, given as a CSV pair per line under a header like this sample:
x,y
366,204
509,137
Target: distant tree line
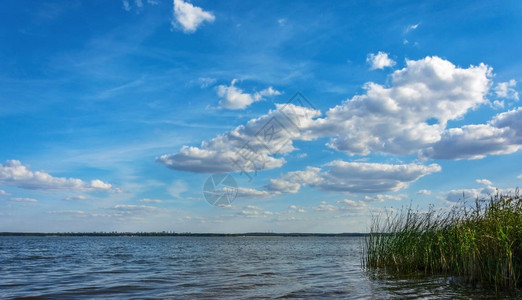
x,y
173,234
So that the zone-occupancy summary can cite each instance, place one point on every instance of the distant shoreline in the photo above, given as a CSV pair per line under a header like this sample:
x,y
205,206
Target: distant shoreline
x,y
174,234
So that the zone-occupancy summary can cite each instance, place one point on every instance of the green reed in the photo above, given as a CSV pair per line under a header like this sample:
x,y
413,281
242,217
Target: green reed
x,y
480,243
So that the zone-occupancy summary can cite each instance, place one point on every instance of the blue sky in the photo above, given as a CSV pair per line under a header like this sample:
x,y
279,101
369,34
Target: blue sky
x,y
114,113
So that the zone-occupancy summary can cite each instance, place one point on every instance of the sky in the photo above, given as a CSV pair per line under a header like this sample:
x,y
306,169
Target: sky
x,y
243,116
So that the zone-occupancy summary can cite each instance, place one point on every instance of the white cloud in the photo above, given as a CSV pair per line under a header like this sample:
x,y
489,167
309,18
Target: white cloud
x,y
67,211
283,186
295,209
353,177
501,135
497,104
519,176
470,194
190,17
407,117
507,90
74,198
382,198
484,182
16,199
351,204
254,207
423,192
379,60
268,92
147,200
348,206
14,173
130,209
246,148
252,211
325,207
233,97
411,28
411,114
4,193
98,184
252,193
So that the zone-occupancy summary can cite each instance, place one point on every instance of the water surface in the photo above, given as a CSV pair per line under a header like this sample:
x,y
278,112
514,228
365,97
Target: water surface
x,y
203,267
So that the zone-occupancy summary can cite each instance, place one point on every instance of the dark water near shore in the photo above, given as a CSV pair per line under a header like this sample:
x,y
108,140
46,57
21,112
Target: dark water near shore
x,y
203,267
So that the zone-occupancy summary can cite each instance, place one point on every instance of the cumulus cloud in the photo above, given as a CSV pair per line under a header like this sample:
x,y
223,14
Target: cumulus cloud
x,y
501,135
233,97
507,90
353,177
14,173
247,148
408,116
379,60
470,194
189,17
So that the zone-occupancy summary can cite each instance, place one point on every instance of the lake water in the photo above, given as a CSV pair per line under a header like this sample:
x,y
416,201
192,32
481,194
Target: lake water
x,y
203,267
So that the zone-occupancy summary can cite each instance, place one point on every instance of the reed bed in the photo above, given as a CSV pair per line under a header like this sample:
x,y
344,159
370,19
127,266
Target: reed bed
x,y
479,242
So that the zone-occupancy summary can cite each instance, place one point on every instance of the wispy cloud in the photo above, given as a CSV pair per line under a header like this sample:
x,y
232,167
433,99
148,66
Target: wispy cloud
x,y
147,200
411,28
18,199
75,198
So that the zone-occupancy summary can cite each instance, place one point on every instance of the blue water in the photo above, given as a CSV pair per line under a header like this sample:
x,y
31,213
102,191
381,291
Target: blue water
x,y
203,267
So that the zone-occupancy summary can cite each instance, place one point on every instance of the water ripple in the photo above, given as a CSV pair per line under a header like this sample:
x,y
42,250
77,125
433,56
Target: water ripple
x,y
204,268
